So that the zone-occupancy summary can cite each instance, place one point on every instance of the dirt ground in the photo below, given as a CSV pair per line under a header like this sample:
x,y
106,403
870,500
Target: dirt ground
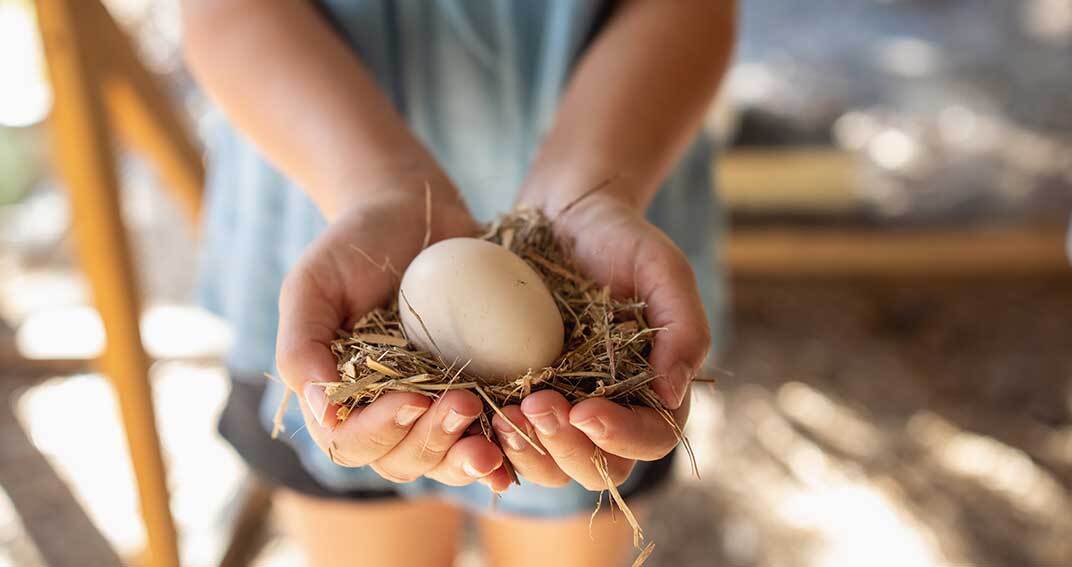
x,y
916,423
863,424
853,423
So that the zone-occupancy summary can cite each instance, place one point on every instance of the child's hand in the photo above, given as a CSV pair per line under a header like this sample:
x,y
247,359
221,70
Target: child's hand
x,y
398,435
613,243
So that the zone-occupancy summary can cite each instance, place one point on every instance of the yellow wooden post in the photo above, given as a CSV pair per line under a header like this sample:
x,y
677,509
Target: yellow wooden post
x,y
141,112
83,152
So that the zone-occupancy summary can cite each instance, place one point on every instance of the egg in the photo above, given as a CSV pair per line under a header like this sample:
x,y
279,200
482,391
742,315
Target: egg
x,y
470,300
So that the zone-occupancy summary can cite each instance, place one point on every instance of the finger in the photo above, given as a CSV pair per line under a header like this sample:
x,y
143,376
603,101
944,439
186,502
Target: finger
x,y
307,322
548,412
528,462
469,460
666,282
430,438
371,432
632,432
657,272
498,481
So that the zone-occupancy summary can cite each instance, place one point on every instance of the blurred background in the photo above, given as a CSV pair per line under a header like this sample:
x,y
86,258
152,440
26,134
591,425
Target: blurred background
x,y
897,389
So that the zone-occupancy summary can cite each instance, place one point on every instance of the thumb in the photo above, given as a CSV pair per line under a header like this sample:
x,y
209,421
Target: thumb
x,y
308,320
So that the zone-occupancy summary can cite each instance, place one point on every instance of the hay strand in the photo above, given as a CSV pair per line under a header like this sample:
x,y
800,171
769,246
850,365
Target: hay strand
x,y
600,461
277,419
497,410
644,555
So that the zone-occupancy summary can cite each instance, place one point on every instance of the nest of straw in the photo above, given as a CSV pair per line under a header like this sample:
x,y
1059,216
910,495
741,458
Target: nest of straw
x,y
605,355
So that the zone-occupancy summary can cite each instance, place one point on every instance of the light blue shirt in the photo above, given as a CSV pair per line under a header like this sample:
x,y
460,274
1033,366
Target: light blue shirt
x,y
478,82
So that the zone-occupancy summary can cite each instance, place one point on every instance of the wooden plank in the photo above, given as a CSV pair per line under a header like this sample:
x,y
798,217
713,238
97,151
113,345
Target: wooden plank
x,y
991,252
808,180
82,149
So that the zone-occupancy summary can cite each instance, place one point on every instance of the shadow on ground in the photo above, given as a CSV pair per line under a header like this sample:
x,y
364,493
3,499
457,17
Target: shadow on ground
x,y
894,424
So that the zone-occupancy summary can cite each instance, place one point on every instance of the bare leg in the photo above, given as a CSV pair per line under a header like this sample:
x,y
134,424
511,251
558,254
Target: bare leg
x,y
340,533
523,542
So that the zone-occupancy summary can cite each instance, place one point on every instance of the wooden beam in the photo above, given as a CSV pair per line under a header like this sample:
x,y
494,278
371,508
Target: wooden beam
x,y
818,180
988,252
82,148
142,113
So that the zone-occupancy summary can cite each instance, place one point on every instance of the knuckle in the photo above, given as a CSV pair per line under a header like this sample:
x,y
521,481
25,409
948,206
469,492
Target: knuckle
x,y
396,477
550,480
569,452
377,440
430,454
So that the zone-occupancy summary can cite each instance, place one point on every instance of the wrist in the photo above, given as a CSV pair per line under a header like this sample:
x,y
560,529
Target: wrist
x,y
409,185
553,190
409,212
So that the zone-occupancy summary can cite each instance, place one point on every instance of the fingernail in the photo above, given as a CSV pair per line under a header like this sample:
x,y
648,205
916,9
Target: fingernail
x,y
512,439
593,427
455,422
317,401
408,414
546,423
472,472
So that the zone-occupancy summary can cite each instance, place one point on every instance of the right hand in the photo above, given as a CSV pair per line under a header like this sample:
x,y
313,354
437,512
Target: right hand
x,y
401,435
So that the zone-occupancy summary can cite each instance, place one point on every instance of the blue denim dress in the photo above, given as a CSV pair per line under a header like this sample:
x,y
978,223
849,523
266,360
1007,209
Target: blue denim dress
x,y
478,82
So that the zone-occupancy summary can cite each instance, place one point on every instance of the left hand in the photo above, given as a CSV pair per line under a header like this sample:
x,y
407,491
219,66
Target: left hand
x,y
401,435
613,243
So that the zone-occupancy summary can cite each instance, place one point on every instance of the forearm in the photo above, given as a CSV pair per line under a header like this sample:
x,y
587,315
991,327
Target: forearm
x,y
286,80
635,102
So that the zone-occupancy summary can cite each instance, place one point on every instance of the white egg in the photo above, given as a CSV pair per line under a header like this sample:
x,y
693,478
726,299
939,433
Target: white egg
x,y
482,304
